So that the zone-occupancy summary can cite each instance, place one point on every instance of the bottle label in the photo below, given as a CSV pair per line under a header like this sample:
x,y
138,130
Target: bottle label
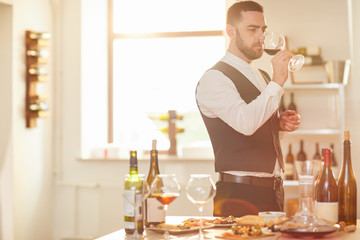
x,y
155,211
139,212
129,225
129,199
327,210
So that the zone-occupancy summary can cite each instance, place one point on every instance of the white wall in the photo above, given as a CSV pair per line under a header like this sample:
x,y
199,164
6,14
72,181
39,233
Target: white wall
x,y
27,152
6,137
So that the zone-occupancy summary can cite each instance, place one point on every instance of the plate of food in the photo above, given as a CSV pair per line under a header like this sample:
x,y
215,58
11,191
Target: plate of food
x,y
247,227
179,228
217,221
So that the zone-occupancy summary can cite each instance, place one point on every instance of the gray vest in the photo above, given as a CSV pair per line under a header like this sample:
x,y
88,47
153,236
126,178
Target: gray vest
x,y
236,151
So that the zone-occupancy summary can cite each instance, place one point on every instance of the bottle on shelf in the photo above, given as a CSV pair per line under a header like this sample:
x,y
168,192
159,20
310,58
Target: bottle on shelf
x,y
333,159
133,190
292,105
155,213
282,106
301,156
347,186
289,165
326,191
317,163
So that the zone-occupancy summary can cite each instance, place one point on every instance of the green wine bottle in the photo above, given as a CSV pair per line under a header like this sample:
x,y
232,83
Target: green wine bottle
x,y
133,192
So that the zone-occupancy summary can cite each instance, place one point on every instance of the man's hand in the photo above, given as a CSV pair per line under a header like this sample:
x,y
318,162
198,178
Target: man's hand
x,y
289,121
280,66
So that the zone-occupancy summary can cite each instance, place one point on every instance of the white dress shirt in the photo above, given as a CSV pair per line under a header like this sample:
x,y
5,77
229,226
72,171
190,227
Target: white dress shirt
x,y
217,96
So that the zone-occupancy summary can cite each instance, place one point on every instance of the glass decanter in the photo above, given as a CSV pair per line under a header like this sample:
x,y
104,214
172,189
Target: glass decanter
x,y
305,222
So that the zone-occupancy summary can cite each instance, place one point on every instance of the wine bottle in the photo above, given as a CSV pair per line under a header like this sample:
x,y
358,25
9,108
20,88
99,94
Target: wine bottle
x,y
347,186
301,156
155,213
333,159
292,105
282,106
133,190
289,165
317,163
326,203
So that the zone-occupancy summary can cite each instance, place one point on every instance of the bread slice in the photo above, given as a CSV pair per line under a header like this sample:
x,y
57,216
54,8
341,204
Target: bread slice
x,y
251,220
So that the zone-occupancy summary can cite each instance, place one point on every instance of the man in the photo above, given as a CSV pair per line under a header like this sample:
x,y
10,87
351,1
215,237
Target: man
x,y
239,105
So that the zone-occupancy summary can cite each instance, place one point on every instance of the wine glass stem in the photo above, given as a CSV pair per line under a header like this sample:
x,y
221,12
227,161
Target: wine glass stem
x,y
166,234
201,235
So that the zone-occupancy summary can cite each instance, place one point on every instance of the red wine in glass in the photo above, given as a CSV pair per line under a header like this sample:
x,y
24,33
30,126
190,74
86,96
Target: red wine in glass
x,y
271,51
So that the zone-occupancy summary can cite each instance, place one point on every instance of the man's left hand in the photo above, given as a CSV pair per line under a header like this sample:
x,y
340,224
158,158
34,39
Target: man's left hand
x,y
289,121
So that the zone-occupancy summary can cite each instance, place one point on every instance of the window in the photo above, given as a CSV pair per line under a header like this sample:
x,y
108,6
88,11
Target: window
x,y
158,51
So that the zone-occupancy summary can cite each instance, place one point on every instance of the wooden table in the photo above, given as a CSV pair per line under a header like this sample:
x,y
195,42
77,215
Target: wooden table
x,y
150,235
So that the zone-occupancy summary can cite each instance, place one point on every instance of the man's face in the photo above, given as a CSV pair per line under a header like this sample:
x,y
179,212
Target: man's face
x,y
246,41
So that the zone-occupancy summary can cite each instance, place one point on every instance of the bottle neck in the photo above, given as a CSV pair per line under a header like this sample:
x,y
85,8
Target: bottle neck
x,y
154,160
133,170
347,153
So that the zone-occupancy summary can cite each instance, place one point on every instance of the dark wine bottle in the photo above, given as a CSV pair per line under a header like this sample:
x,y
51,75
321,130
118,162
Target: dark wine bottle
x,y
133,191
347,186
326,203
289,165
292,105
282,106
333,159
317,163
155,213
301,156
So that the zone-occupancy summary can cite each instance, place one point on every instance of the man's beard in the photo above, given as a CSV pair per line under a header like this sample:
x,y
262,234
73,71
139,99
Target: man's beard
x,y
249,53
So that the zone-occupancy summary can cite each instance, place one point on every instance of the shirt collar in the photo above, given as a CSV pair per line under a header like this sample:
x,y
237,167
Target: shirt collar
x,y
236,61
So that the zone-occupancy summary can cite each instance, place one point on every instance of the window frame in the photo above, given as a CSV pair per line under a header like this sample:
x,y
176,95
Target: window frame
x,y
113,36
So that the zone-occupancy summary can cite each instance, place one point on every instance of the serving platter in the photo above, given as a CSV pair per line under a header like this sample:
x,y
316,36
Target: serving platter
x,y
235,237
321,231
179,231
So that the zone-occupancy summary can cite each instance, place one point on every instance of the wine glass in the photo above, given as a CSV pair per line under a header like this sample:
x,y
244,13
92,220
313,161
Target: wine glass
x,y
166,189
137,201
275,42
200,189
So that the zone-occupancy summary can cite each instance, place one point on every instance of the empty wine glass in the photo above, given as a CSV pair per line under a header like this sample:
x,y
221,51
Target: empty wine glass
x,y
200,189
275,42
166,189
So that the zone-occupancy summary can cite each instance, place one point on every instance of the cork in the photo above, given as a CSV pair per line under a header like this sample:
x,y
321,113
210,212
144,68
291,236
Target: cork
x,y
346,135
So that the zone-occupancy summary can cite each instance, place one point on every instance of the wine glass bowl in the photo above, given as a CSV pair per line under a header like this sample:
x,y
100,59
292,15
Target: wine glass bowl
x,y
200,189
274,42
165,188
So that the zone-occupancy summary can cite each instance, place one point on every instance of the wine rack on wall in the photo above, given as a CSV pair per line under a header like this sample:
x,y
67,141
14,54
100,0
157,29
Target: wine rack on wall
x,y
37,72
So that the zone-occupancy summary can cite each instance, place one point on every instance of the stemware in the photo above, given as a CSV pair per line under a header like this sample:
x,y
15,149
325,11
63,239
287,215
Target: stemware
x,y
200,189
275,42
166,189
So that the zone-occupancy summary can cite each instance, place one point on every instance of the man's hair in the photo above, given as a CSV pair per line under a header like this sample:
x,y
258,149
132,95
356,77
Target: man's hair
x,y
234,12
